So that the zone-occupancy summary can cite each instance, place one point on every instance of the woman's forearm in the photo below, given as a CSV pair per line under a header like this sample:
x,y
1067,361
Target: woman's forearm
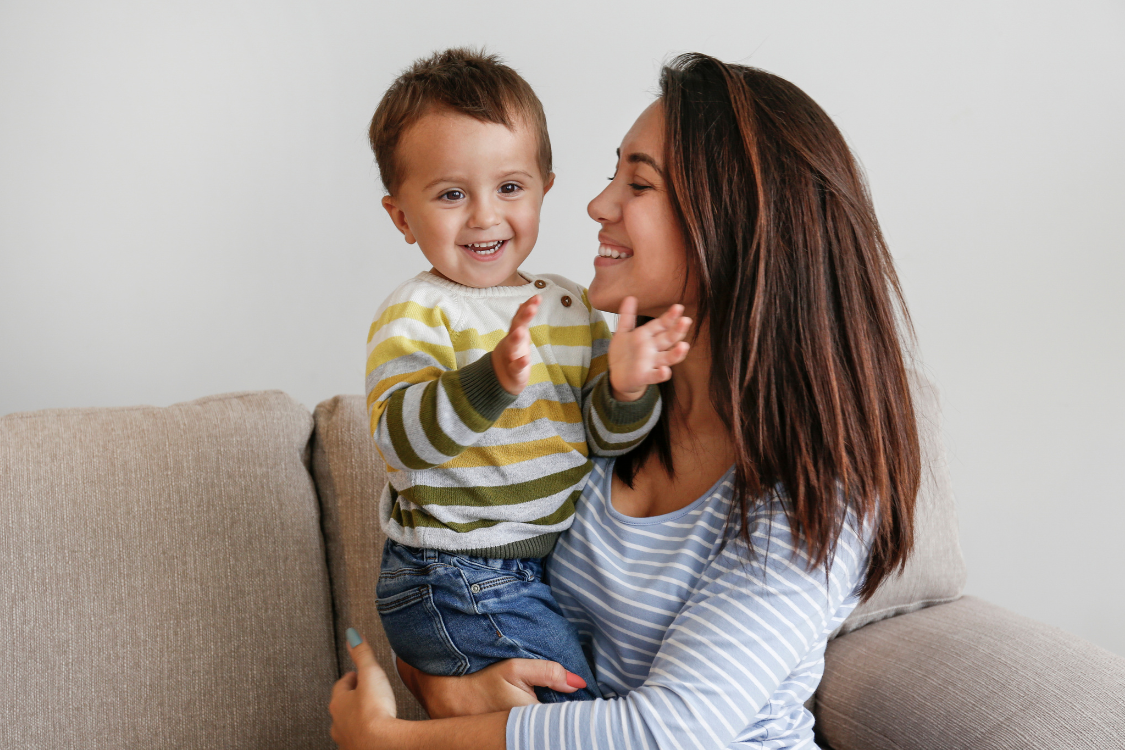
x,y
480,732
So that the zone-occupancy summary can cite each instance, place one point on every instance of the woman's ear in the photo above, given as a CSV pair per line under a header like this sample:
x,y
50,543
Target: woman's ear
x,y
398,216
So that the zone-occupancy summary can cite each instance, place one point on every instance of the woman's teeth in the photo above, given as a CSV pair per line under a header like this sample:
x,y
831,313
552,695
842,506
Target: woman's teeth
x,y
485,248
609,252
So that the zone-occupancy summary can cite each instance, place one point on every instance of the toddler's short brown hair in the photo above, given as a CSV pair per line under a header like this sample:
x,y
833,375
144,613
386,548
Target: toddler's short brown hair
x,y
465,80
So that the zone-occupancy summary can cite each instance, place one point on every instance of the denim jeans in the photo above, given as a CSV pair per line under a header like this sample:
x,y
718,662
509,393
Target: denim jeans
x,y
451,614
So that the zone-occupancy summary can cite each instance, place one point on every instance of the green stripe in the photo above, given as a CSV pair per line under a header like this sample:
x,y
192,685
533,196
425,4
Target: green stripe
x,y
607,448
418,518
469,416
397,430
507,494
614,413
428,414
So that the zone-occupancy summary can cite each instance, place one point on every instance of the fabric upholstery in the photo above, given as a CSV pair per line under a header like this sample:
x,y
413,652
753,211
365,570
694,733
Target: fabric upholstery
x,y
935,572
349,477
970,675
162,578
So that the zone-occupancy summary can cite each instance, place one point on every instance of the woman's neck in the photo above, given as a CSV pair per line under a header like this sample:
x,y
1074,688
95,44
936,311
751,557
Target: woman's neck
x,y
701,446
692,383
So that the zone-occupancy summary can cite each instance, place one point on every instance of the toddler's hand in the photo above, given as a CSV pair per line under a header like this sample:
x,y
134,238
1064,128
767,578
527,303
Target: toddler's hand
x,y
511,359
639,357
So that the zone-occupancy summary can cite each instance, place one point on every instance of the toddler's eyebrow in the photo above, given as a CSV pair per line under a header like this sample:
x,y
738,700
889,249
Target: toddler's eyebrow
x,y
440,180
639,157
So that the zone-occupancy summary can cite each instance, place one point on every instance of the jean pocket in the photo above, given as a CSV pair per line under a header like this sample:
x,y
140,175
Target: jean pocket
x,y
416,632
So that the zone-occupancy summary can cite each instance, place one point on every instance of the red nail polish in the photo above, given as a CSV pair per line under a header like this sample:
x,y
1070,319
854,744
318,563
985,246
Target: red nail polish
x,y
574,680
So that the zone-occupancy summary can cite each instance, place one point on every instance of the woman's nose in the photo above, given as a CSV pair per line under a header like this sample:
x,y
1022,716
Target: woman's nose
x,y
603,208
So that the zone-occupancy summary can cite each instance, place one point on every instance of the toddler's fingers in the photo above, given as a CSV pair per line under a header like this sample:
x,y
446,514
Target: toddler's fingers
x,y
627,315
525,312
672,356
667,338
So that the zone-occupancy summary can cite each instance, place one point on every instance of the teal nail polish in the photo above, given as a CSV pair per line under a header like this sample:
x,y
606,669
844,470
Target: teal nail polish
x,y
353,638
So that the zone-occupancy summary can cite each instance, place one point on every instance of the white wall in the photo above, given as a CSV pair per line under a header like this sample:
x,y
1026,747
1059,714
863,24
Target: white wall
x,y
188,206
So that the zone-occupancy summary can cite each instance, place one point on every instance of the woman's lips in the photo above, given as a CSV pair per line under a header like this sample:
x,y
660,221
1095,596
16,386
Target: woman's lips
x,y
485,252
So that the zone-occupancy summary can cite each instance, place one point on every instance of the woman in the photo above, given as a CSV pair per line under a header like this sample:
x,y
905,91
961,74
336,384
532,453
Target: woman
x,y
707,568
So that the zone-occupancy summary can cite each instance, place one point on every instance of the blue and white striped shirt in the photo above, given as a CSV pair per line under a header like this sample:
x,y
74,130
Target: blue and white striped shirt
x,y
696,644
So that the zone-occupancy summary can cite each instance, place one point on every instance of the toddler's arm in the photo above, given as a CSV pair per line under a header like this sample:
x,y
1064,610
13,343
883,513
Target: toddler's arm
x,y
424,410
620,401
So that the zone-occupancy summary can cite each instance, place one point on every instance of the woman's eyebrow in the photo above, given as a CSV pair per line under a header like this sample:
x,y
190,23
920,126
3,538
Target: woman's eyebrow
x,y
639,157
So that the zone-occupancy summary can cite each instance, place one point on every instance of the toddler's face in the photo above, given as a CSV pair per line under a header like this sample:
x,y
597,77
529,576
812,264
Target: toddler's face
x,y
470,196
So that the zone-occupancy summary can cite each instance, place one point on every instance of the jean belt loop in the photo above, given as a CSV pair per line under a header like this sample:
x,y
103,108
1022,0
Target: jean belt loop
x,y
429,555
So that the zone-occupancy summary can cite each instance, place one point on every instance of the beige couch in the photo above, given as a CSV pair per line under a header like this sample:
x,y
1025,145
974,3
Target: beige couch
x,y
181,577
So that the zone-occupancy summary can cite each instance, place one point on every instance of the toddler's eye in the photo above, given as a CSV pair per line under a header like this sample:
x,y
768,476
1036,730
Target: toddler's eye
x,y
510,188
452,195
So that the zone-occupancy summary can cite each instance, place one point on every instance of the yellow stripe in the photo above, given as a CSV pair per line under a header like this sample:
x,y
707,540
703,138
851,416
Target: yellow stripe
x,y
425,375
543,408
541,335
572,375
430,316
505,455
400,346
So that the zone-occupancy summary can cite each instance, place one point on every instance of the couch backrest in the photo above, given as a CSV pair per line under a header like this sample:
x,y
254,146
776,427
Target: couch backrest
x,y
162,578
350,476
935,572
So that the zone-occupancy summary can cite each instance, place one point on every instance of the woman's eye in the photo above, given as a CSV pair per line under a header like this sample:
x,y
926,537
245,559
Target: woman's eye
x,y
510,188
639,188
452,195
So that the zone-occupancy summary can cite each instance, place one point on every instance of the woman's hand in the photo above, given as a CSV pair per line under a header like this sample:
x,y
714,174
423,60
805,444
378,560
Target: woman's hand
x,y
363,705
640,357
498,687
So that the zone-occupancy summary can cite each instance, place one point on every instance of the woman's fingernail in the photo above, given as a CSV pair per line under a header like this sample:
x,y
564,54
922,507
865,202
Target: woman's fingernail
x,y
353,638
574,680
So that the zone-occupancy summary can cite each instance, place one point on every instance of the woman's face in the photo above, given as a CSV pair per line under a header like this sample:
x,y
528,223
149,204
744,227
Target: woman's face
x,y
639,227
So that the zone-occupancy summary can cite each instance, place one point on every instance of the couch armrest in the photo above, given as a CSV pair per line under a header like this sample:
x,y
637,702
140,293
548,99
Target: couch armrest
x,y
969,674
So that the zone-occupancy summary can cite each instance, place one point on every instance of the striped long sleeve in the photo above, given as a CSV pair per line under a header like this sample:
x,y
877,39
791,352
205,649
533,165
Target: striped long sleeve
x,y
698,644
472,467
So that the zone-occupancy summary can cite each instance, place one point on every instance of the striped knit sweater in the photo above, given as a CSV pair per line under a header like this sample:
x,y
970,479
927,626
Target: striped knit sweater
x,y
472,468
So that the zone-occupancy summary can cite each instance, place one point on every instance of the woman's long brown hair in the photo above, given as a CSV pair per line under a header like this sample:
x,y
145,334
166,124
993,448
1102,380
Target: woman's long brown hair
x,y
799,298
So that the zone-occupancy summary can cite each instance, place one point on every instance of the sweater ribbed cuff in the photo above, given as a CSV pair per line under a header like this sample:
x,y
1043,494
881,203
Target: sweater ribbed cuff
x,y
483,390
625,416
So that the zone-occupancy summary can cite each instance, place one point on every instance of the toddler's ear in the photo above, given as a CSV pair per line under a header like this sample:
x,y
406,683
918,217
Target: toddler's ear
x,y
398,216
546,185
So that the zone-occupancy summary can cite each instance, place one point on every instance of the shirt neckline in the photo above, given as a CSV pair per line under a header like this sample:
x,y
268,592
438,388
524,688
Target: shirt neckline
x,y
620,517
491,291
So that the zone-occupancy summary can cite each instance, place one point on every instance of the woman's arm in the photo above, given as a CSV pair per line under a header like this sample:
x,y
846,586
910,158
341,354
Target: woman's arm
x,y
498,687
364,716
745,647
732,645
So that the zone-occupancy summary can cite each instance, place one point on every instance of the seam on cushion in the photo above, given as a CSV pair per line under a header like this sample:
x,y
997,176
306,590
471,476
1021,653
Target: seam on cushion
x,y
64,411
888,612
847,719
327,411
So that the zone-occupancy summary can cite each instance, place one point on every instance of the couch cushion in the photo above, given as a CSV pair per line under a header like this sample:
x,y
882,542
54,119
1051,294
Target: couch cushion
x,y
969,675
162,578
350,475
935,572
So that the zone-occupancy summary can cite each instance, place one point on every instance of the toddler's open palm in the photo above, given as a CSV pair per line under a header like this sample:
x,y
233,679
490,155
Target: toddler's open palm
x,y
640,357
511,359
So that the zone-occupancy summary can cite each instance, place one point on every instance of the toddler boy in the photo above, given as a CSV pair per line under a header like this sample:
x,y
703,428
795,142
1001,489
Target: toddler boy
x,y
484,403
